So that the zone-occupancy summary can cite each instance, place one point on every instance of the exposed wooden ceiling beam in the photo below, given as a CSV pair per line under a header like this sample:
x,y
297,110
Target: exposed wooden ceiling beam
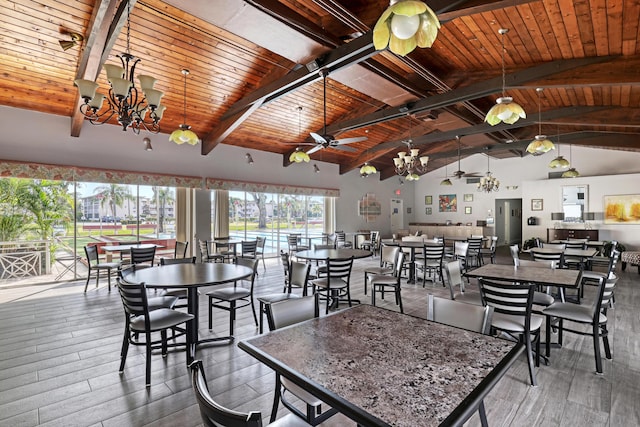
x,y
473,91
341,56
103,32
435,137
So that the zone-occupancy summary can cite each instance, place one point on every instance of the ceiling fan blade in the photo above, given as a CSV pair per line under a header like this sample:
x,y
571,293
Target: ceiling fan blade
x,y
318,138
314,149
349,140
473,175
344,148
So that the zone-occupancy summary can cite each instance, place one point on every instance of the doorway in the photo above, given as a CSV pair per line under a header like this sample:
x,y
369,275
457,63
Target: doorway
x,y
397,217
509,221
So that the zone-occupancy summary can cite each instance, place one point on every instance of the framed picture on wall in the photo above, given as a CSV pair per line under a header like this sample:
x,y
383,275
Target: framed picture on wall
x,y
428,200
467,210
427,211
536,204
447,203
468,197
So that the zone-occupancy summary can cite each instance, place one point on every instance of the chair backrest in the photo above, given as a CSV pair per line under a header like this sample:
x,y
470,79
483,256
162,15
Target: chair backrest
x,y
557,246
472,317
613,261
574,245
213,414
134,299
538,264
558,257
454,275
605,296
180,251
292,239
284,257
433,252
388,255
299,274
249,248
461,248
508,298
260,244
252,263
91,251
341,237
291,311
203,246
317,247
373,237
515,251
397,268
475,244
143,255
339,268
494,243
171,261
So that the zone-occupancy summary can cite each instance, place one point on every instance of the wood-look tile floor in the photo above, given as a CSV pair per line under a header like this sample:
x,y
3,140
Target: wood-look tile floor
x,y
60,347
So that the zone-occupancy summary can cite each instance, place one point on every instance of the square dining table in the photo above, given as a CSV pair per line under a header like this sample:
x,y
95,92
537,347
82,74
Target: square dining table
x,y
383,368
560,277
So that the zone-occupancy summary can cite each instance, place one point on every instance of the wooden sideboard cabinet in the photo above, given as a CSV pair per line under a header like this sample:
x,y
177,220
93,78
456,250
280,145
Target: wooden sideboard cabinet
x,y
569,233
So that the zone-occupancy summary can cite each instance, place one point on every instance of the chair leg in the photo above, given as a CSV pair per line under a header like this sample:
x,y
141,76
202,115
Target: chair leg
x,y
124,350
253,309
532,373
210,313
365,283
483,415
276,399
232,316
262,311
547,337
373,295
605,340
148,361
86,285
596,347
399,298
109,278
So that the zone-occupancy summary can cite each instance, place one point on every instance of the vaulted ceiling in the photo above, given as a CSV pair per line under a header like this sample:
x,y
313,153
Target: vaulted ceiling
x,y
252,80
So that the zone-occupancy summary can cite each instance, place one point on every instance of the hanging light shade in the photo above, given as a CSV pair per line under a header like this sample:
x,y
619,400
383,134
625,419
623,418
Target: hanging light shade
x,y
446,181
184,133
540,143
505,109
124,101
572,172
405,25
367,169
299,156
559,163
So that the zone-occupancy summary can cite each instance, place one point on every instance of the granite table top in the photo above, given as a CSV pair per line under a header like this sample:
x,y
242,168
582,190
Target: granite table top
x,y
544,276
380,367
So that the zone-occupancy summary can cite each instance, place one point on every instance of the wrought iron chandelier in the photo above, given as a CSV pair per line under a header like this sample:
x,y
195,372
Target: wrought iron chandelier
x,y
124,100
410,163
488,182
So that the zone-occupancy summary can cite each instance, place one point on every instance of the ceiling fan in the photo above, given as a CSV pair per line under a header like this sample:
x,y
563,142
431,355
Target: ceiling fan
x,y
325,140
460,173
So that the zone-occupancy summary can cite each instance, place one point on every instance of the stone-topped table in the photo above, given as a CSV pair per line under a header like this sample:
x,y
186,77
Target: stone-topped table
x,y
380,367
560,277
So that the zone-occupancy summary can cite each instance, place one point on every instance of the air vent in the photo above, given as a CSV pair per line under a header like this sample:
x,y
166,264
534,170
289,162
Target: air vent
x,y
473,180
555,175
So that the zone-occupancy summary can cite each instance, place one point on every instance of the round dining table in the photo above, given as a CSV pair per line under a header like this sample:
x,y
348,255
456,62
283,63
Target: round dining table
x,y
191,277
322,254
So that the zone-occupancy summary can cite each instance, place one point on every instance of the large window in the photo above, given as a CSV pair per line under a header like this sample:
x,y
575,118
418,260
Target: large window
x,y
274,217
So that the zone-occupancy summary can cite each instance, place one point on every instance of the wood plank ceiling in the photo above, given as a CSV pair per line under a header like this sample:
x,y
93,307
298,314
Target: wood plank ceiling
x,y
246,87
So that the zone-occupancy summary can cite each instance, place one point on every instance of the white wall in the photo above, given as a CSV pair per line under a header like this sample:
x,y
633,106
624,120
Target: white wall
x,y
530,175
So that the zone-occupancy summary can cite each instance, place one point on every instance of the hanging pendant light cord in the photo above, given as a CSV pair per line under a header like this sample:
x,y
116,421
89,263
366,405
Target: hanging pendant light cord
x,y
185,72
504,81
324,97
128,25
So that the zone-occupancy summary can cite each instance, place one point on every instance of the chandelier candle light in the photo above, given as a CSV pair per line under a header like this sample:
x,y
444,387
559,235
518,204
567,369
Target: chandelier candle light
x,y
405,25
505,109
410,163
488,183
124,101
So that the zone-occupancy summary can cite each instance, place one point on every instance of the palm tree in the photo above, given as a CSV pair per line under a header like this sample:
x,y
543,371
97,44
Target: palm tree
x,y
163,197
113,195
48,202
261,202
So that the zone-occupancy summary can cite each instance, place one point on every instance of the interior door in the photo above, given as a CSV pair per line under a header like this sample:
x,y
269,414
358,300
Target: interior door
x,y
397,218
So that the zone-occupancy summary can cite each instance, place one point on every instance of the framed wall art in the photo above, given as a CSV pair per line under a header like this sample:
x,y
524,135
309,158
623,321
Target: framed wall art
x,y
468,197
427,211
467,210
428,200
622,209
536,204
447,203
